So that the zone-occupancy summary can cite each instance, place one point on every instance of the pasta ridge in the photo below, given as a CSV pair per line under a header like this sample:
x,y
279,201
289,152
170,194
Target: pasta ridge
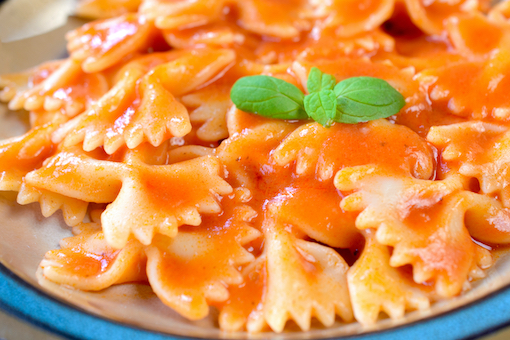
x,y
393,293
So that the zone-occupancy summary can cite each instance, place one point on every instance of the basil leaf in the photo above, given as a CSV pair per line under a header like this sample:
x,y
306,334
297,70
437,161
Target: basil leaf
x,y
362,99
268,97
354,100
321,106
317,80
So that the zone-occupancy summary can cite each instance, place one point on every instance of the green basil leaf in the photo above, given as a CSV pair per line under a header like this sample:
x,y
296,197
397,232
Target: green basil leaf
x,y
362,99
321,106
317,80
354,100
268,97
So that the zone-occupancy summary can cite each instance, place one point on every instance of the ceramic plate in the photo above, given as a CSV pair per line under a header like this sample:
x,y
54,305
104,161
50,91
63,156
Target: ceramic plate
x,y
133,312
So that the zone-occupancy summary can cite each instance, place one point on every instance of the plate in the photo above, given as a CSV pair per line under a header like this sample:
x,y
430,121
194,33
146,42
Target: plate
x,y
133,312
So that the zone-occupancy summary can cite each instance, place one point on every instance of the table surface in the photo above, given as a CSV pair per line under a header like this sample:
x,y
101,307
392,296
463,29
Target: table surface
x,y
12,328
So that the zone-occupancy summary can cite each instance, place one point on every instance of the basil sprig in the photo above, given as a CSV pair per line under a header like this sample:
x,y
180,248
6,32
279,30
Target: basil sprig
x,y
353,100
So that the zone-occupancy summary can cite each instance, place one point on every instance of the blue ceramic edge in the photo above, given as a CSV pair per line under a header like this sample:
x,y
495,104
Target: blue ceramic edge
x,y
27,302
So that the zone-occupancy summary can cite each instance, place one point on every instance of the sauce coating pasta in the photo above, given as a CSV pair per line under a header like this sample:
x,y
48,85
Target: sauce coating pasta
x,y
218,208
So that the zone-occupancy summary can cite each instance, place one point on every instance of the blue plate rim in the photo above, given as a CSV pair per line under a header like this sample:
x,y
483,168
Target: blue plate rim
x,y
38,308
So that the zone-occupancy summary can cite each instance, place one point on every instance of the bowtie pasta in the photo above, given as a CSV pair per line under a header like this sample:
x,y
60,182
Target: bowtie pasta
x,y
164,181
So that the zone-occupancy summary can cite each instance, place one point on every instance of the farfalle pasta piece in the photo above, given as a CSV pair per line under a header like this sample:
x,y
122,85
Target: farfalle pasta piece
x,y
288,268
104,9
194,268
343,68
101,44
313,207
487,219
429,15
286,20
244,307
297,147
324,151
60,86
476,149
195,68
143,107
270,55
147,62
352,17
210,108
20,155
423,220
376,287
412,47
359,45
500,12
42,117
283,19
315,273
183,13
474,89
74,173
87,262
465,141
11,84
158,211
74,210
244,151
14,85
212,35
178,200
74,187
464,32
106,123
483,260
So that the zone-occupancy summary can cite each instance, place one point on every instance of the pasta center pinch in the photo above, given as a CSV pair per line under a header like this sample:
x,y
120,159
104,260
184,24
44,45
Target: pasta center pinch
x,y
278,161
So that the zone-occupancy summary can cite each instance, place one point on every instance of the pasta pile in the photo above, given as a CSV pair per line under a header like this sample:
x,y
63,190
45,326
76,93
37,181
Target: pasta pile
x,y
135,139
